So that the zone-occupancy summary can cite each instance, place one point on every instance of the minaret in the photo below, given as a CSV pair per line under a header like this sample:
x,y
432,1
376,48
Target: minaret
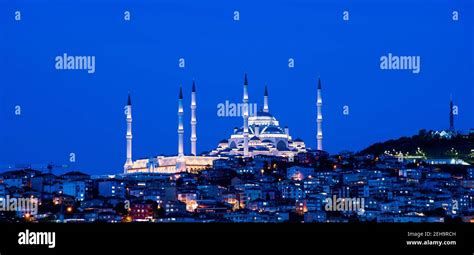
x,y
128,136
451,115
319,104
180,163
246,117
265,100
193,120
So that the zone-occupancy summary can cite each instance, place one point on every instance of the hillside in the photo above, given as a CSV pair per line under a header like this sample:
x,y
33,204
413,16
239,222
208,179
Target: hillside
x,y
427,144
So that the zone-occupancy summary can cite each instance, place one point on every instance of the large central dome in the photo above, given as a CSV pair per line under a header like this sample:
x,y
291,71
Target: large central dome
x,y
265,137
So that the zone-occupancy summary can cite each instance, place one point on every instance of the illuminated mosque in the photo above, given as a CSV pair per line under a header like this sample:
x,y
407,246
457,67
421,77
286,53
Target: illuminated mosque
x,y
260,134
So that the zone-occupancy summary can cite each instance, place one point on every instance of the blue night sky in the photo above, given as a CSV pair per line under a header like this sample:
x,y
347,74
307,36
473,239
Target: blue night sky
x,y
73,111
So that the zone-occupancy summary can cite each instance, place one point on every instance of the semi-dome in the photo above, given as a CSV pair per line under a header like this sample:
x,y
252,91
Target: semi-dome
x,y
255,138
273,130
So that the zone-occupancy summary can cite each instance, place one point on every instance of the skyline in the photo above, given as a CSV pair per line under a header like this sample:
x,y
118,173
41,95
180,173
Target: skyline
x,y
66,111
185,140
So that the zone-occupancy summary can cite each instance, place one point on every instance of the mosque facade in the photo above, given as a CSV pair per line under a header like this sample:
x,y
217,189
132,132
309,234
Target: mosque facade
x,y
260,134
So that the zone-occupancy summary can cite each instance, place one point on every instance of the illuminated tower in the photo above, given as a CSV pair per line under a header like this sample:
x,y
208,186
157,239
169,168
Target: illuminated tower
x,y
180,163
319,120
246,117
128,136
193,120
265,100
451,115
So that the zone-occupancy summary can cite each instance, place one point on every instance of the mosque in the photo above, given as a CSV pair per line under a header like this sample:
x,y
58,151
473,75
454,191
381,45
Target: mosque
x,y
260,134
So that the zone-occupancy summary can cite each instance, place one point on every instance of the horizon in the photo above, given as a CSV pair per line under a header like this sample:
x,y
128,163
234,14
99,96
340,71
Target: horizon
x,y
81,111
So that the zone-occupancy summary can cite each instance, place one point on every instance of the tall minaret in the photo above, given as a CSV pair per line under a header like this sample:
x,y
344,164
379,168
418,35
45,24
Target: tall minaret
x,y
319,104
246,117
193,120
265,100
180,163
451,114
128,136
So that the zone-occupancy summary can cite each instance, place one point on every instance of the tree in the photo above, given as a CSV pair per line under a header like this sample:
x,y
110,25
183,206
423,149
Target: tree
x,y
120,208
422,133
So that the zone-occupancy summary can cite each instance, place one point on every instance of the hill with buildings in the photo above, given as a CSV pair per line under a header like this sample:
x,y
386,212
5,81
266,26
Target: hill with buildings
x,y
428,144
